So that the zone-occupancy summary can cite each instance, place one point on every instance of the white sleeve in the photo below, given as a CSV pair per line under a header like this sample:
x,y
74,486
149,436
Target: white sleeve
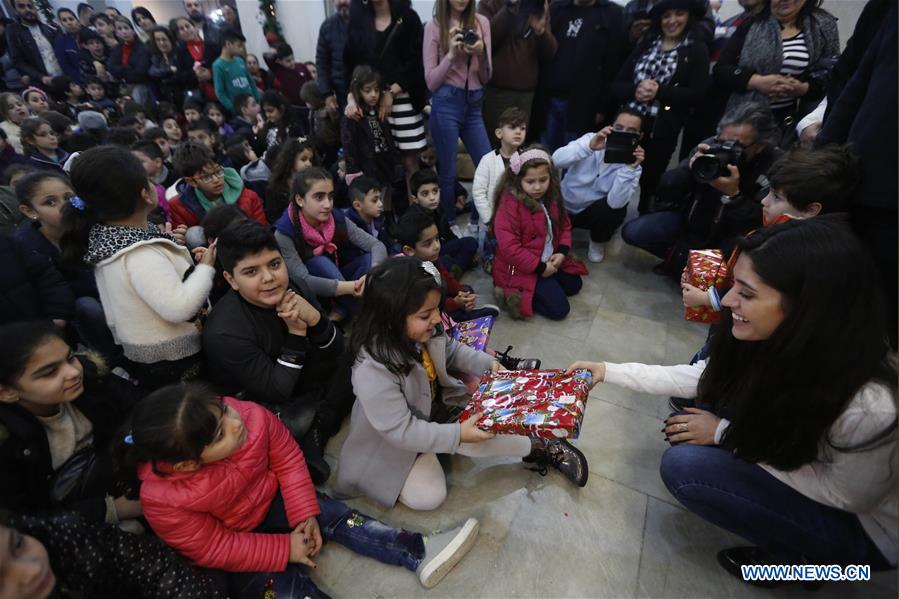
x,y
815,116
159,284
575,151
681,380
480,186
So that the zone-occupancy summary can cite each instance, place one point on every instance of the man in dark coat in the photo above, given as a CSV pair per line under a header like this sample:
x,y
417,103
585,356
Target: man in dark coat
x,y
30,44
574,94
329,55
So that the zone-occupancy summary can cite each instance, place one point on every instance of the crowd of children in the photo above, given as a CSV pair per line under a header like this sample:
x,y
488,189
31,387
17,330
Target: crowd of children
x,y
205,280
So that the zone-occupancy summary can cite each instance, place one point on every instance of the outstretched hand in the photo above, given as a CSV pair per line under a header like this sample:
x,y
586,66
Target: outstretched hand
x,y
597,369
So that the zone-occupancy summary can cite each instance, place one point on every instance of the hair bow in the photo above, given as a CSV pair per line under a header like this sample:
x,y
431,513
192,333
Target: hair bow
x,y
77,203
517,160
429,268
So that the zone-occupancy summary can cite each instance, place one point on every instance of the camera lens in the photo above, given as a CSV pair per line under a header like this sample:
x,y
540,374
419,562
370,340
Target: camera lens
x,y
706,168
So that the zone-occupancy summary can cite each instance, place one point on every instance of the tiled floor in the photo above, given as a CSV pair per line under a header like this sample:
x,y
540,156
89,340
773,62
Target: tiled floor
x,y
622,535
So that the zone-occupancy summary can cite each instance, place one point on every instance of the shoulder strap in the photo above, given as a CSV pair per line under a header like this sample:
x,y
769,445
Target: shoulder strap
x,y
390,37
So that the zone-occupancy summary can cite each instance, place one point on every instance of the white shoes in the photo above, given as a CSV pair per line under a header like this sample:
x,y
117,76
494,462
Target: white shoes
x,y
596,252
443,550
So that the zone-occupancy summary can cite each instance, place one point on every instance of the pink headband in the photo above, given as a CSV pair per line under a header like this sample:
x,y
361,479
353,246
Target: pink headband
x,y
517,160
34,89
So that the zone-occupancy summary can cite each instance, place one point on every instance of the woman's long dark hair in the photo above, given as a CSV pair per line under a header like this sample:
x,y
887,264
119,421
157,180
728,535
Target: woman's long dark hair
x,y
109,180
168,33
361,27
20,341
783,394
394,289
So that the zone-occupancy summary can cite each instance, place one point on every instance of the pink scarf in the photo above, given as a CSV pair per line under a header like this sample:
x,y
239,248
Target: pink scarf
x,y
319,239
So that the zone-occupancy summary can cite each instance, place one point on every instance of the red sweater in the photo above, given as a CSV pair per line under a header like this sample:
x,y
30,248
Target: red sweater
x,y
453,287
185,211
289,81
208,515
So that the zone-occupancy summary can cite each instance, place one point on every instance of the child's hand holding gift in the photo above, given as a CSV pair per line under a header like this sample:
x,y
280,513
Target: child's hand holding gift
x,y
470,432
694,297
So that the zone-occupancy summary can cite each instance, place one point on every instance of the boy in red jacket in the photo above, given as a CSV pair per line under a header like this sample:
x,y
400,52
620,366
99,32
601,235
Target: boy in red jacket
x,y
289,74
205,184
225,485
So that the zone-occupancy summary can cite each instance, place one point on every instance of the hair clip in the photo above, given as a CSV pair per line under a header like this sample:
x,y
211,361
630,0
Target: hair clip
x,y
302,139
429,268
129,440
517,159
77,203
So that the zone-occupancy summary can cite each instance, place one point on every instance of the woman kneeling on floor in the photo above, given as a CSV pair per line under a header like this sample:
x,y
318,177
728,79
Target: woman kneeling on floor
x,y
791,440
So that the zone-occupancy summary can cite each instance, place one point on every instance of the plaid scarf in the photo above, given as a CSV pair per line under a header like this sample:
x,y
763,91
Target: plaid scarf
x,y
656,64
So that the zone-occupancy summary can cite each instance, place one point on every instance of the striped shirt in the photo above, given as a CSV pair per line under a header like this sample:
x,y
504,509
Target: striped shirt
x,y
795,61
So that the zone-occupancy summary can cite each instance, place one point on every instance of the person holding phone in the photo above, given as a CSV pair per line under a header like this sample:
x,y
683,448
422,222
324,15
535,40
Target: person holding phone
x,y
603,172
458,63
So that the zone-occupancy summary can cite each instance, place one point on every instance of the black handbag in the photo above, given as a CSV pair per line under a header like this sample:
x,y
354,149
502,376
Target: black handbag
x,y
75,477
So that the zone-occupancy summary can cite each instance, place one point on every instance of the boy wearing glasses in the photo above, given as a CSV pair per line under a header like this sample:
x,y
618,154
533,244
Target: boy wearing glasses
x,y
595,192
205,184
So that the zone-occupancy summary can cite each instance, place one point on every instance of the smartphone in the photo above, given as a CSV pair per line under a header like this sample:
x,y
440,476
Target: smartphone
x,y
620,147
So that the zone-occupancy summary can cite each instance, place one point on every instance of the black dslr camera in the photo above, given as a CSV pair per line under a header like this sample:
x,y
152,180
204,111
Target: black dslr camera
x,y
713,162
469,37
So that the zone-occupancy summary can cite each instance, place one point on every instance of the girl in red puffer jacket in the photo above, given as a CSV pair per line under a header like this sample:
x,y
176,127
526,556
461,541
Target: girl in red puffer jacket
x,y
225,485
532,271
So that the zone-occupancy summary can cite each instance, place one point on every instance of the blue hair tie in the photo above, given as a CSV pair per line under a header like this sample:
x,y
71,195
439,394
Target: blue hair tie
x,y
77,203
129,440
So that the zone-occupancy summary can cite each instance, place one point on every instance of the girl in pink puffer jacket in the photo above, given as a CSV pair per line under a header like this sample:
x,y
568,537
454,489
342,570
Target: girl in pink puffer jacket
x,y
532,271
226,486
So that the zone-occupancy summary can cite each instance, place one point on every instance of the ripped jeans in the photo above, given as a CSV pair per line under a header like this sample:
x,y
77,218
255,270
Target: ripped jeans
x,y
339,523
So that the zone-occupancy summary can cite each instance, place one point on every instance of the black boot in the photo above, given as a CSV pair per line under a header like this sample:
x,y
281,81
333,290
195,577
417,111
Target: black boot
x,y
512,363
561,455
732,559
313,446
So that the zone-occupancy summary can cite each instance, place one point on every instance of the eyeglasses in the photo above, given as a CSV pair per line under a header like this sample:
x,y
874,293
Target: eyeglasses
x,y
210,177
623,129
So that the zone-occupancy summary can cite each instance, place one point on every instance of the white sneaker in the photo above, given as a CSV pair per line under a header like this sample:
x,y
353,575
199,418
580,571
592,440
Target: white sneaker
x,y
596,252
443,550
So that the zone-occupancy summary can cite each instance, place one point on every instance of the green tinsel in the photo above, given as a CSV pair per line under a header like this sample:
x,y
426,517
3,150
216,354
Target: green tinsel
x,y
268,16
43,7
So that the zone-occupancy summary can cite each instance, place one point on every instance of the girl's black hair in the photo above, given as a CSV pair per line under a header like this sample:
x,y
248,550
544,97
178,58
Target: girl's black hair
x,y
275,99
29,128
783,394
362,76
27,186
302,181
145,13
20,340
394,289
109,180
282,171
68,10
173,424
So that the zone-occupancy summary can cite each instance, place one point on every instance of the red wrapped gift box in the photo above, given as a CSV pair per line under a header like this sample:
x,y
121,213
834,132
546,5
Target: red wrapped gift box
x,y
705,269
473,333
542,403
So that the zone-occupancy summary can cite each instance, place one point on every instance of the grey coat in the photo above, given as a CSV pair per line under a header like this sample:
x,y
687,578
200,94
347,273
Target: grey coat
x,y
390,424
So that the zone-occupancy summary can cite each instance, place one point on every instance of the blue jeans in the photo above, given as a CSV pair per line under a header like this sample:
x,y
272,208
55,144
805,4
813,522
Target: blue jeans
x,y
456,113
746,500
338,522
458,252
552,293
556,133
324,267
655,232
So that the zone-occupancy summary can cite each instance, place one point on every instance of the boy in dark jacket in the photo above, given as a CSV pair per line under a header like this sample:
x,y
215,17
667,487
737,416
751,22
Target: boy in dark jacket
x,y
367,209
456,253
31,288
270,339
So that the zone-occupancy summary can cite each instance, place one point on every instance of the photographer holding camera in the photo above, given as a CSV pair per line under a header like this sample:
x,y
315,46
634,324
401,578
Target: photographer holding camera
x,y
521,40
457,63
713,197
602,172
